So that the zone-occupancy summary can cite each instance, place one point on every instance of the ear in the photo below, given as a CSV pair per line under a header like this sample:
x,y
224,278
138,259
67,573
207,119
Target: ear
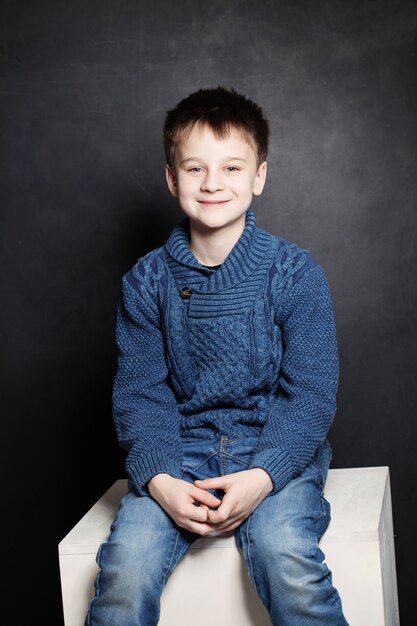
x,y
260,179
171,180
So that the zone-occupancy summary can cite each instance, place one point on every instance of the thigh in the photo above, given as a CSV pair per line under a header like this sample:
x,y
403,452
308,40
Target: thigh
x,y
143,548
288,524
143,541
280,542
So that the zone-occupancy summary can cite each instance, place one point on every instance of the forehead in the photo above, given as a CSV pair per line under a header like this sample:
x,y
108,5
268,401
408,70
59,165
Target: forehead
x,y
200,140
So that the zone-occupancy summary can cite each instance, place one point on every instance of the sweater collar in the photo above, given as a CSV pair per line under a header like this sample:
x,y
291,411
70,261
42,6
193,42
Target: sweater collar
x,y
243,259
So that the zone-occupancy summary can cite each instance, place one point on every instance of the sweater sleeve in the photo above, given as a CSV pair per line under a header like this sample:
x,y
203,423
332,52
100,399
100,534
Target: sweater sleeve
x,y
304,403
145,410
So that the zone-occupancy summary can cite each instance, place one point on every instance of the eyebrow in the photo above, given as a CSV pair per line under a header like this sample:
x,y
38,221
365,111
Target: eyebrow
x,y
197,159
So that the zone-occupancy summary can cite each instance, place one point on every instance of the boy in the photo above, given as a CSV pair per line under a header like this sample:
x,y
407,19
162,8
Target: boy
x,y
225,387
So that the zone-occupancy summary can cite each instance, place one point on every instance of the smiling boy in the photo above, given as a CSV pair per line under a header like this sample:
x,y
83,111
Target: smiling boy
x,y
214,180
225,387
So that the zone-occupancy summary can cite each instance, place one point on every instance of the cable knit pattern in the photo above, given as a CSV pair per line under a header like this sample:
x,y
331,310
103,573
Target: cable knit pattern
x,y
249,347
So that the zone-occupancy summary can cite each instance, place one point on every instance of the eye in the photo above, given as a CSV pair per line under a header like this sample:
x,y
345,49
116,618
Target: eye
x,y
195,170
232,168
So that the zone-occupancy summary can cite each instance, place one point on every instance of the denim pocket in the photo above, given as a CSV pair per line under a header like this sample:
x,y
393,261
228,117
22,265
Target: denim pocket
x,y
199,459
241,449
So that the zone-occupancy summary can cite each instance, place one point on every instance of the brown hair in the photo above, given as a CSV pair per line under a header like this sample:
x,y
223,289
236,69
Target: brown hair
x,y
221,109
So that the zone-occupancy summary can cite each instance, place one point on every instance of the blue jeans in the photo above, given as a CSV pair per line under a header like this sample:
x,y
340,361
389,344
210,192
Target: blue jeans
x,y
279,542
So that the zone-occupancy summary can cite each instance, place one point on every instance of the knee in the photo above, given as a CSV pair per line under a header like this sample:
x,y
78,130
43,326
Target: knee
x,y
287,551
122,568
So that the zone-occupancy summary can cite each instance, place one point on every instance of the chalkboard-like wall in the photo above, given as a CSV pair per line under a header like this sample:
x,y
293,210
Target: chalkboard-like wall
x,y
84,90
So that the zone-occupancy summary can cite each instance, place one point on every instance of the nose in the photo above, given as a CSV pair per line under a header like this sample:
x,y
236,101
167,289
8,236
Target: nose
x,y
212,182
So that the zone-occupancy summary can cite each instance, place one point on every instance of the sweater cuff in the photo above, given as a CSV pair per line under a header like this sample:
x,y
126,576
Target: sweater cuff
x,y
151,463
277,464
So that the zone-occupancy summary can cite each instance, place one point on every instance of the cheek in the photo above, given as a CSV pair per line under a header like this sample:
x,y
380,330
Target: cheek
x,y
245,188
186,187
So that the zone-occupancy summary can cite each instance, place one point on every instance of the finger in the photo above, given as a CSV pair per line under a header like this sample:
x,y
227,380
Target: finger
x,y
228,527
222,514
199,528
219,482
197,513
205,497
234,519
196,526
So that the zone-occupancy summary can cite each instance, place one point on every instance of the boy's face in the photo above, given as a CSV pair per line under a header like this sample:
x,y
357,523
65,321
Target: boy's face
x,y
215,178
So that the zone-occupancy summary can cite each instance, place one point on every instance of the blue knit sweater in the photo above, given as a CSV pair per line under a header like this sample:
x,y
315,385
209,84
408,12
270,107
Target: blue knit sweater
x,y
247,348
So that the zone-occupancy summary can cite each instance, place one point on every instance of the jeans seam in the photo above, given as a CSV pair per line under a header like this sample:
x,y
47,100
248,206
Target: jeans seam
x,y
318,468
251,569
167,572
335,598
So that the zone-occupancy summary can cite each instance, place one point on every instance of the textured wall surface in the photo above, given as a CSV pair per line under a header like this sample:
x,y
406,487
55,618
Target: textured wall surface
x,y
84,89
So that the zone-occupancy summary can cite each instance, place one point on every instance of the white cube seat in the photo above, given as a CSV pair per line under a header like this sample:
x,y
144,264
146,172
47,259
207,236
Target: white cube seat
x,y
358,545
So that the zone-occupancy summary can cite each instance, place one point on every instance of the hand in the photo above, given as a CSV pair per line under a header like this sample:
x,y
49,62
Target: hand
x,y
243,492
178,497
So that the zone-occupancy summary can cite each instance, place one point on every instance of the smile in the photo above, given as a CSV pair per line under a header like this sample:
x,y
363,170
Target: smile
x,y
212,202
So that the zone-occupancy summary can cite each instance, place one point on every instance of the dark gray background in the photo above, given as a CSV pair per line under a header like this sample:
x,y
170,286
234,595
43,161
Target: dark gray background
x,y
84,89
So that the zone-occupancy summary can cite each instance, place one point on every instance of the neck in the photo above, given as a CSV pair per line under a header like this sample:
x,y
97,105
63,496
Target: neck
x,y
213,246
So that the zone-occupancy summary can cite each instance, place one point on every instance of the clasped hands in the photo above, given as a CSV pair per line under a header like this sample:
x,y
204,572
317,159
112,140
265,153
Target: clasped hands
x,y
193,507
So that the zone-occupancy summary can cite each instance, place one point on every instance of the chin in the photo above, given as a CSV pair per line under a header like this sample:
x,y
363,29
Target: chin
x,y
217,218
218,221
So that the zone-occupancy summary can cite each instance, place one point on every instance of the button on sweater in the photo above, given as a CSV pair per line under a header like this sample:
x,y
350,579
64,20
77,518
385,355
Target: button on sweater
x,y
250,349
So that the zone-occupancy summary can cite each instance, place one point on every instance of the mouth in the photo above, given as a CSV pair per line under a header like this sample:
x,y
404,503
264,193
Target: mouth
x,y
213,202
